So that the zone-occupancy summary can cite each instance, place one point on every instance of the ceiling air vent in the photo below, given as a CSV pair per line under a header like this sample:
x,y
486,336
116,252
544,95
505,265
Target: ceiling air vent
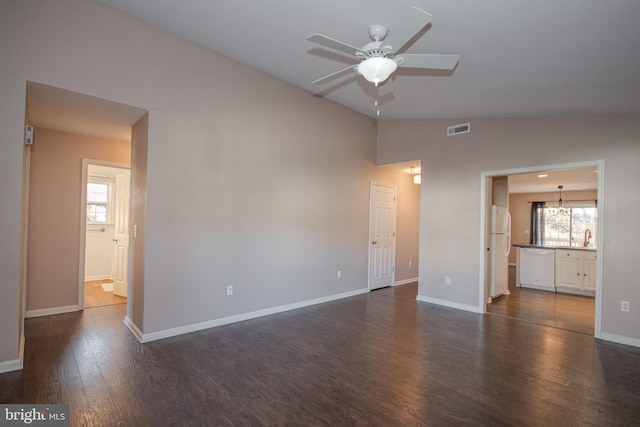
x,y
457,129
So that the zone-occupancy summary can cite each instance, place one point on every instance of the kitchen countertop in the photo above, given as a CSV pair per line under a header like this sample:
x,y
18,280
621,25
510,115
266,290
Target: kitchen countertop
x,y
573,248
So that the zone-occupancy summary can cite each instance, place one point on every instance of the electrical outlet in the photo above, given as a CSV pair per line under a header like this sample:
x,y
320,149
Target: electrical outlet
x,y
447,280
339,274
229,290
624,305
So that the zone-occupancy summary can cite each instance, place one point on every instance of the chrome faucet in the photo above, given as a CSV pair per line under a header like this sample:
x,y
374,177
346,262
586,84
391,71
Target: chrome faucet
x,y
587,237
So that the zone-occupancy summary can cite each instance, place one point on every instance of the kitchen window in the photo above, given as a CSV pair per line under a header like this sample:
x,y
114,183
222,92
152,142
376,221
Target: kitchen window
x,y
573,225
98,201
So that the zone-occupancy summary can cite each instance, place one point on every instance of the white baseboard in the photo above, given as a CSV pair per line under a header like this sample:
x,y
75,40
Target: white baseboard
x,y
449,304
620,339
10,365
405,281
133,328
16,364
102,277
152,336
54,310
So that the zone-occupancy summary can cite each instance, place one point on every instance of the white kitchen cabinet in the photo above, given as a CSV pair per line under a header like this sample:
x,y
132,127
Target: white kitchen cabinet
x,y
590,271
576,271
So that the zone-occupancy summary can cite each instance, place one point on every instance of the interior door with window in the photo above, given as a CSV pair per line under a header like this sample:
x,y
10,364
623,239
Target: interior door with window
x,y
382,236
121,237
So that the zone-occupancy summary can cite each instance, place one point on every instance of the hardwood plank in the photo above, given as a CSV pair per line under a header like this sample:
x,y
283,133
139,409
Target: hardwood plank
x,y
376,359
559,310
96,296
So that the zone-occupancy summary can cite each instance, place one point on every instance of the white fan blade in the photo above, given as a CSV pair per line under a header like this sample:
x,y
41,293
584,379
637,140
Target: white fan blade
x,y
400,34
333,44
427,60
335,75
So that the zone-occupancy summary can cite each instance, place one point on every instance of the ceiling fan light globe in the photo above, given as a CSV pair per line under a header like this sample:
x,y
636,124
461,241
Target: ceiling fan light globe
x,y
377,69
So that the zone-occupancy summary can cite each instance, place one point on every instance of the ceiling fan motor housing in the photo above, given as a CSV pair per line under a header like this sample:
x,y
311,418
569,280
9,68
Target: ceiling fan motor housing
x,y
378,32
374,49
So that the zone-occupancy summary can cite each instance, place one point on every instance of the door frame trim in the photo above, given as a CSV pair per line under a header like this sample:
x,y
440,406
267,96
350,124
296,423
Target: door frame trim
x,y
83,220
393,251
484,203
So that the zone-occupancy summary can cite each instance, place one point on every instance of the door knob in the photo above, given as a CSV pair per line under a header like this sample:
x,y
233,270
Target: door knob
x,y
115,240
374,242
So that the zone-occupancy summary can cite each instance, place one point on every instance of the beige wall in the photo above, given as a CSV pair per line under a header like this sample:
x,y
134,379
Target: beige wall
x,y
520,209
55,213
245,180
450,211
137,219
407,228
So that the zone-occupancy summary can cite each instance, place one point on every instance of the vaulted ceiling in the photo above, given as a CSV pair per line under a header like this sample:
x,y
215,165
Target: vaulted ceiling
x,y
518,58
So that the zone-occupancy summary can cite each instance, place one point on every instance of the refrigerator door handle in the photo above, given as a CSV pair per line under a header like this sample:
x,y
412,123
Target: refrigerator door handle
x,y
508,232
507,249
507,223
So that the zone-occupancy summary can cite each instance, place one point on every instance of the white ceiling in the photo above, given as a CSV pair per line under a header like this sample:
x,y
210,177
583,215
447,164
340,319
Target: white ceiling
x,y
573,57
544,181
570,179
518,58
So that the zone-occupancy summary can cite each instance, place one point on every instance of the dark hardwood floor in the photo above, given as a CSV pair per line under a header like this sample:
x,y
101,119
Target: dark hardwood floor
x,y
559,310
379,359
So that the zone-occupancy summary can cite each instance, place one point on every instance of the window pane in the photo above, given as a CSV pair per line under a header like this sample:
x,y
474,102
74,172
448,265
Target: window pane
x,y
571,226
557,227
583,230
96,212
97,201
97,192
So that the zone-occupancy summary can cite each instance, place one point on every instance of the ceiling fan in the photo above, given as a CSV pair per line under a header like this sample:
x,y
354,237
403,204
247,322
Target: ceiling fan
x,y
380,58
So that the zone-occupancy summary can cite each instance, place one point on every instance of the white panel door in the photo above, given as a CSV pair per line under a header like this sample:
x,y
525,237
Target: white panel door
x,y
121,238
382,227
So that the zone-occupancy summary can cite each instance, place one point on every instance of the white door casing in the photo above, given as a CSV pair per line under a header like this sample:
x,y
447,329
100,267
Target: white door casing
x,y
121,238
382,227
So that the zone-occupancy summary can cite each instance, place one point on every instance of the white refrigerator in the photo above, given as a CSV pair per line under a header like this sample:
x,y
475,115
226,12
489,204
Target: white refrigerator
x,y
499,249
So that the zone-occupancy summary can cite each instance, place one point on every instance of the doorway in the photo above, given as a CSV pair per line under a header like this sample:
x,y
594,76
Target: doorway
x,y
578,313
69,127
106,216
382,236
